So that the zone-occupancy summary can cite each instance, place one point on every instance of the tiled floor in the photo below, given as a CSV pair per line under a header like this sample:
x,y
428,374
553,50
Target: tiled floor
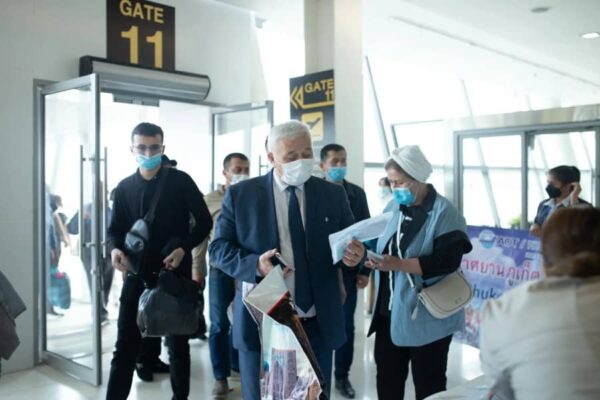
x,y
47,383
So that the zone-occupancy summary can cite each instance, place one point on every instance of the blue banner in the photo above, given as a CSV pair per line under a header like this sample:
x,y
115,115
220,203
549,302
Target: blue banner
x,y
501,259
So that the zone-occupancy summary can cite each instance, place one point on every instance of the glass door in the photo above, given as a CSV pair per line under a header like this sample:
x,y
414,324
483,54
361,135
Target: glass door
x,y
242,129
489,180
501,177
71,226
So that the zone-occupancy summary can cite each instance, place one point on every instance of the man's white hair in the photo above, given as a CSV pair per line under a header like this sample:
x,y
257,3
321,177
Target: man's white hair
x,y
287,130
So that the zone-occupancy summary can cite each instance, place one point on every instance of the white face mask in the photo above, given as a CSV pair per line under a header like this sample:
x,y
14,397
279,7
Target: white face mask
x,y
239,178
297,172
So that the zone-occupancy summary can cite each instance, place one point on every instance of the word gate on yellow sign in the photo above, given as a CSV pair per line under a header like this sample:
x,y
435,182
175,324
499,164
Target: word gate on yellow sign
x,y
140,32
312,101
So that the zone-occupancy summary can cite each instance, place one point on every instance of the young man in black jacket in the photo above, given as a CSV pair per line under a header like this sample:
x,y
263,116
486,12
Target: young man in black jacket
x,y
333,164
171,242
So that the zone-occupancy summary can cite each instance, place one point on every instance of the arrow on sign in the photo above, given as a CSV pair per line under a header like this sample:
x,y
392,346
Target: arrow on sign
x,y
297,100
297,97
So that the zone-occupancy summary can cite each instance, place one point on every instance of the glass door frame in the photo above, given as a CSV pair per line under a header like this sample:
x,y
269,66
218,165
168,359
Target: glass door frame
x,y
222,110
91,375
526,134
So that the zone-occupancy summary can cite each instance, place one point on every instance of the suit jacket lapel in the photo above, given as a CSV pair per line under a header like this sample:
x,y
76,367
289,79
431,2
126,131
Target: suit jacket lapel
x,y
271,214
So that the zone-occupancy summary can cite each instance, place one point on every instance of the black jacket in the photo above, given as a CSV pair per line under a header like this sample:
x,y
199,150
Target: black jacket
x,y
171,228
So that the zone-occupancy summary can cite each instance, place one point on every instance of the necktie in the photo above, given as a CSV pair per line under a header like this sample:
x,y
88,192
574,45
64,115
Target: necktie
x,y
303,293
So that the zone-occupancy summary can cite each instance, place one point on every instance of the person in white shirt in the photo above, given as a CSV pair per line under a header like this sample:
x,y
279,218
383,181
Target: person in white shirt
x,y
542,339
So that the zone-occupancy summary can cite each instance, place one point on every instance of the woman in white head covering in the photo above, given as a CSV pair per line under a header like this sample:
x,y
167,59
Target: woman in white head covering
x,y
426,238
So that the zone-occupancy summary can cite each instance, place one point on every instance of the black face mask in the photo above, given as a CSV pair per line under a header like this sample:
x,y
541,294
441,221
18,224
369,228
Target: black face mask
x,y
552,191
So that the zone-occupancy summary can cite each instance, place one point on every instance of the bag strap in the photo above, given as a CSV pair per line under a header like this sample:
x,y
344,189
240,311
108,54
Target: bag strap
x,y
149,217
399,235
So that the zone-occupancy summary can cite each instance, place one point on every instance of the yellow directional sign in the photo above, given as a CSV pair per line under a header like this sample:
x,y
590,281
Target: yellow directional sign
x,y
297,100
312,102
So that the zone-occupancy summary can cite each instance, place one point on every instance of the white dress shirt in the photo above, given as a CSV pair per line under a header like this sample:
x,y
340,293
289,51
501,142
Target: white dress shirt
x,y
282,198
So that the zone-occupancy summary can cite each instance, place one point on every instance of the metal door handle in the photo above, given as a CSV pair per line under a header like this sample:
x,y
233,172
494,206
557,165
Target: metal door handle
x,y
82,243
105,206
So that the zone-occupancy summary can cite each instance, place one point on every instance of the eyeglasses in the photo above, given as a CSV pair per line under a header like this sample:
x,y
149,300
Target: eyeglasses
x,y
142,148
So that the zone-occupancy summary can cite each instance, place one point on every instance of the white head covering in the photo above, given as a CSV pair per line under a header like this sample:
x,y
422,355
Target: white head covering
x,y
412,160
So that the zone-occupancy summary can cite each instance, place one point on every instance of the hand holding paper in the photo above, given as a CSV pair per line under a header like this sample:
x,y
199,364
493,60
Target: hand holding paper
x,y
354,253
361,231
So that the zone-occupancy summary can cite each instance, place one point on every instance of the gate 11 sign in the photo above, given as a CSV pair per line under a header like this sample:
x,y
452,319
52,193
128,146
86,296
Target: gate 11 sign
x,y
141,32
312,102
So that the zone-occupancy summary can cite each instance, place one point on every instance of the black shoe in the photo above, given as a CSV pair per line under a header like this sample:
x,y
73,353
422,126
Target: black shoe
x,y
144,372
345,388
160,367
52,311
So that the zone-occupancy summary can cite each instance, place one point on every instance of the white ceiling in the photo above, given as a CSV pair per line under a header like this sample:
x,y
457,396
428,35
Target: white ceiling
x,y
498,41
551,39
555,33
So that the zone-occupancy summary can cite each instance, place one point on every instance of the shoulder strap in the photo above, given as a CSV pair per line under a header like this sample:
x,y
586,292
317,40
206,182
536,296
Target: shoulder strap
x,y
149,217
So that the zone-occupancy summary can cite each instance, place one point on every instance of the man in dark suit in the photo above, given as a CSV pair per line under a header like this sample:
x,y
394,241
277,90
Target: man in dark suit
x,y
334,164
291,212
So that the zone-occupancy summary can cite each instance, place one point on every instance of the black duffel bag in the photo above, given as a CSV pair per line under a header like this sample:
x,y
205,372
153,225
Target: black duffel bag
x,y
169,308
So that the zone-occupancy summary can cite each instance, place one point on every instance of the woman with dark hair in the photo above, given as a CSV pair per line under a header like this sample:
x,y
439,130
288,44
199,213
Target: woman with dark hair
x,y
563,191
542,339
425,238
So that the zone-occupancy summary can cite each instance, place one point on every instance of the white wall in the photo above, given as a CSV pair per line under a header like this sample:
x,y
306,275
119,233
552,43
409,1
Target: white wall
x,y
44,39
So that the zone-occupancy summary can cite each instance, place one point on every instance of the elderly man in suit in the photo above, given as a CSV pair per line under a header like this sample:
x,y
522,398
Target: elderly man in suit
x,y
292,212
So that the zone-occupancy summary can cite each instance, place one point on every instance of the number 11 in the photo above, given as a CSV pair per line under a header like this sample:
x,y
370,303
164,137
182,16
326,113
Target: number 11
x,y
157,40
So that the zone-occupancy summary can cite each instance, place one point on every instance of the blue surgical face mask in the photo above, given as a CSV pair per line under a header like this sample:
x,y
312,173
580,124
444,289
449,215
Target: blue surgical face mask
x,y
148,162
337,174
403,196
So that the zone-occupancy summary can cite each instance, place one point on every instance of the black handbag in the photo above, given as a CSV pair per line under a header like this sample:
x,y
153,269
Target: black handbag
x,y
169,308
137,239
175,284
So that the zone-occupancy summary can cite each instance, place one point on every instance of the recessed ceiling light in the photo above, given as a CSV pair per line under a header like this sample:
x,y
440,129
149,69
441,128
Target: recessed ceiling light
x,y
540,10
591,35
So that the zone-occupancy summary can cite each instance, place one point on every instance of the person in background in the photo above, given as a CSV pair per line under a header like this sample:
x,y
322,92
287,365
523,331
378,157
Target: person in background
x,y
170,248
53,249
541,340
107,271
334,166
385,191
292,212
563,191
426,238
60,219
224,358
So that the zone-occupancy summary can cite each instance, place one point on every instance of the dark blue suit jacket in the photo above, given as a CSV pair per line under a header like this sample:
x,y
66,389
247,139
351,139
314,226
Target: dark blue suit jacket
x,y
247,227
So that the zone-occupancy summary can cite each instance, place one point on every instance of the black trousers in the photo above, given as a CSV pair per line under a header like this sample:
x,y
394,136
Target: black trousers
x,y
150,349
128,346
428,365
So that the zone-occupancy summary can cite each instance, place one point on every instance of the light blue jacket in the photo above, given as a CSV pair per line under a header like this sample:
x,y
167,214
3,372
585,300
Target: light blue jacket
x,y
424,329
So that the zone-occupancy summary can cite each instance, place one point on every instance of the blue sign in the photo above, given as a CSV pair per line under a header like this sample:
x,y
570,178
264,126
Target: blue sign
x,y
501,259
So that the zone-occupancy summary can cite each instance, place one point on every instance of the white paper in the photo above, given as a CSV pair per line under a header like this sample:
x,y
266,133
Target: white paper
x,y
362,231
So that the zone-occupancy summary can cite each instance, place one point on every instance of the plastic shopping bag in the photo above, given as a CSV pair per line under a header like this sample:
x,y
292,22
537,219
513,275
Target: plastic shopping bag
x,y
290,368
59,290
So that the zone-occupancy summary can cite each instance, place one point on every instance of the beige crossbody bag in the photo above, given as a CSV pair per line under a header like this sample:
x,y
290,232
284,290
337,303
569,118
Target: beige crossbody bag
x,y
444,298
